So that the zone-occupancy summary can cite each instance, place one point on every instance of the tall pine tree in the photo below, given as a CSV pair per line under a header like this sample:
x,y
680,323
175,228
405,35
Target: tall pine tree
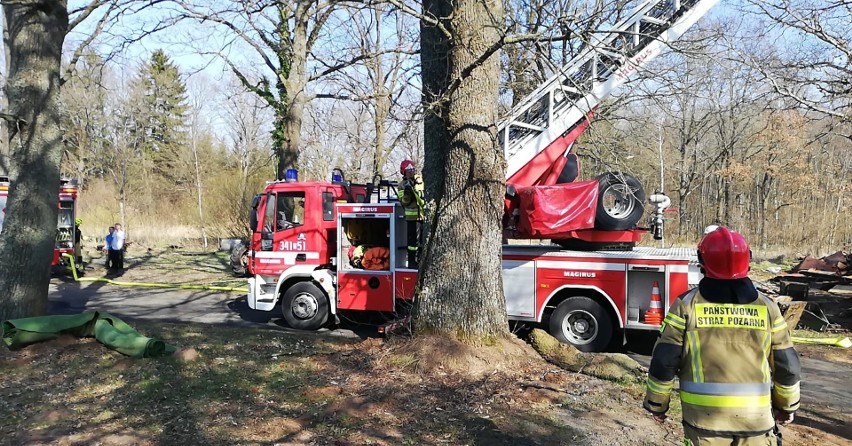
x,y
160,120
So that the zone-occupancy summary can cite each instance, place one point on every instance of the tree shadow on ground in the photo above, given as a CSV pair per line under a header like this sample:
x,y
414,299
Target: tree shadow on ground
x,y
824,422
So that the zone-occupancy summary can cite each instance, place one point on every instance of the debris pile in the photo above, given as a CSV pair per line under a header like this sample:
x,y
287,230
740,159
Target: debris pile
x,y
837,263
808,289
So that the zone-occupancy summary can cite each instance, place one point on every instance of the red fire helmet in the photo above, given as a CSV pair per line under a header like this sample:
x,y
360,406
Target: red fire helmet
x,y
724,254
406,165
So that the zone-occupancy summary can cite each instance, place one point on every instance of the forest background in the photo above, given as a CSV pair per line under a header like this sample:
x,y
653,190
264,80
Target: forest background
x,y
170,117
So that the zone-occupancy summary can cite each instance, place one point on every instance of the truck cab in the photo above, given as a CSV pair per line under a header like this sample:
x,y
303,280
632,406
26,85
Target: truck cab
x,y
294,232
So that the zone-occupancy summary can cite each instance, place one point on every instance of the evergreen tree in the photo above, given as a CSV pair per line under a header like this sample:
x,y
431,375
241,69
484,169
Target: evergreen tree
x,y
161,115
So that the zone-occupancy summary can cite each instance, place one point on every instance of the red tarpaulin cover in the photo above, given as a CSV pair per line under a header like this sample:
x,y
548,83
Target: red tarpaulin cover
x,y
549,210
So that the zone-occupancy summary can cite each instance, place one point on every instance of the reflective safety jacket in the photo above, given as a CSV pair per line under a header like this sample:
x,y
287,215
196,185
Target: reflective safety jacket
x,y
411,198
735,363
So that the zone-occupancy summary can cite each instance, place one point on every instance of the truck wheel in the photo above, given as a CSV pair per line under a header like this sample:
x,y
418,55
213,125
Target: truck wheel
x,y
621,202
583,323
304,306
239,259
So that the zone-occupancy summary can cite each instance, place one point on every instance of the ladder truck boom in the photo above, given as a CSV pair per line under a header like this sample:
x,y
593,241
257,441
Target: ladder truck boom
x,y
542,126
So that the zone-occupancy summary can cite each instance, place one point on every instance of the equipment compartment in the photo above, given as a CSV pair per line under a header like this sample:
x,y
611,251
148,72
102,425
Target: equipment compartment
x,y
365,244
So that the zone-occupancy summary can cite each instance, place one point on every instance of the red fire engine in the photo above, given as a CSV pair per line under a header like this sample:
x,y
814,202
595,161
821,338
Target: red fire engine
x,y
67,240
321,247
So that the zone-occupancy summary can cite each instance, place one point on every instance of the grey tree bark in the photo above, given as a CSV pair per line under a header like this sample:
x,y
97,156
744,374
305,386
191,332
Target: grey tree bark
x,y
460,290
33,32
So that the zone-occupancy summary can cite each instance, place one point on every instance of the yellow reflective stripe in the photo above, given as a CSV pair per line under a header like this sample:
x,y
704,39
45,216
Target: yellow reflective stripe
x,y
779,326
767,344
695,347
670,319
724,401
659,387
785,391
663,327
698,356
676,318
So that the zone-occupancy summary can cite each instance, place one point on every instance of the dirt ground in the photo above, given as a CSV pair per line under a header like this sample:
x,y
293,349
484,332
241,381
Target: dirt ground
x,y
272,388
261,386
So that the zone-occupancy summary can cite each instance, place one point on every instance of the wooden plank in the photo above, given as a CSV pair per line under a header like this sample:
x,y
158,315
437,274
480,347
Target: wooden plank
x,y
792,312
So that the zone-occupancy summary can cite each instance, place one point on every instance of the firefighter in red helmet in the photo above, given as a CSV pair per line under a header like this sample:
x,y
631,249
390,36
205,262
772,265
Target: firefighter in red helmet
x,y
730,348
411,197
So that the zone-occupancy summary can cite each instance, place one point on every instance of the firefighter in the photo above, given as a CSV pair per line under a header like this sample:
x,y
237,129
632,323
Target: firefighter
x,y
411,198
729,346
78,241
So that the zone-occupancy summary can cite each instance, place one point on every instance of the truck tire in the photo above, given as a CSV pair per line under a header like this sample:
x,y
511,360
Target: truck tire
x,y
583,323
239,260
304,306
621,202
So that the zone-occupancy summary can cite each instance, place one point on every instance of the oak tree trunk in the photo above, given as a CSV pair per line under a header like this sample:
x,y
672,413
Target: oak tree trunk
x,y
460,289
293,97
34,31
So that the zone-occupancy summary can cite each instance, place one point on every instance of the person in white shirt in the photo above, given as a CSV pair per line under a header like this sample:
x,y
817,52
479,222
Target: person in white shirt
x,y
117,247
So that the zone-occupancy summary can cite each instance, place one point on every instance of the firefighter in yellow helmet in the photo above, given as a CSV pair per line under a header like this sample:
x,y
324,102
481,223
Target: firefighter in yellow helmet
x,y
411,198
78,241
729,346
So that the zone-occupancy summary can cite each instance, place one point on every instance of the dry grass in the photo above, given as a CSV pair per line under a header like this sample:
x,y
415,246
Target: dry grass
x,y
264,387
152,220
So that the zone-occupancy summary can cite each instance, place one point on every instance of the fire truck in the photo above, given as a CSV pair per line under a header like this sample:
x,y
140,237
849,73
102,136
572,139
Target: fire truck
x,y
66,230
318,248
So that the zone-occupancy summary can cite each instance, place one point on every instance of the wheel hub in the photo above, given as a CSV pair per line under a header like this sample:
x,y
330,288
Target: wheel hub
x,y
618,201
580,327
304,306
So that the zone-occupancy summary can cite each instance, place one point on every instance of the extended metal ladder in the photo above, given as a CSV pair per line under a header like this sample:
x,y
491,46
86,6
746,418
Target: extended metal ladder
x,y
564,100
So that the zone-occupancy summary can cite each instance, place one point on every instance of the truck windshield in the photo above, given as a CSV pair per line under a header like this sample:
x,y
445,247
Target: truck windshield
x,y
66,214
291,210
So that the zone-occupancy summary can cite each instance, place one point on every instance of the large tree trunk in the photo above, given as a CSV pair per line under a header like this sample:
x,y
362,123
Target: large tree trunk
x,y
34,31
460,290
294,80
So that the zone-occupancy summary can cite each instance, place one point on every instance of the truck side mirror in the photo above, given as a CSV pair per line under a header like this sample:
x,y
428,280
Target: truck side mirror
x,y
253,220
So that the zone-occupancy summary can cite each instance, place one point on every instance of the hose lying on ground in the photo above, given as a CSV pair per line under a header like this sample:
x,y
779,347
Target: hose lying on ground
x,y
839,341
108,329
147,285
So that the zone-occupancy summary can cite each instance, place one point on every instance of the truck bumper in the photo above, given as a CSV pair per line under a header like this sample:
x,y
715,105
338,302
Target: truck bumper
x,y
261,293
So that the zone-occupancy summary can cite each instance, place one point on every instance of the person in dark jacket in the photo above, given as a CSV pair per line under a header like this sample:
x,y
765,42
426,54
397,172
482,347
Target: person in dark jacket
x,y
731,350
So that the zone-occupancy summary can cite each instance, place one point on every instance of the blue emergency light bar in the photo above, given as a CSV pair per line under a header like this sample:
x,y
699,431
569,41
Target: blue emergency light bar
x,y
291,175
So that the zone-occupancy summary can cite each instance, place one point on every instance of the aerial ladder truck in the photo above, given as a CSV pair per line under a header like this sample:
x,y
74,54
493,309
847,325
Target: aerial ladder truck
x,y
321,248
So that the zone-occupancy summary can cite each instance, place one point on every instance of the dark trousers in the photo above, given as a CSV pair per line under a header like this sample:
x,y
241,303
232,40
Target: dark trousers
x,y
414,230
116,258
